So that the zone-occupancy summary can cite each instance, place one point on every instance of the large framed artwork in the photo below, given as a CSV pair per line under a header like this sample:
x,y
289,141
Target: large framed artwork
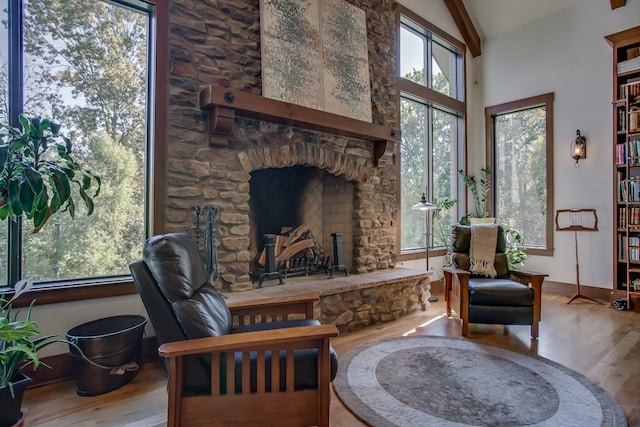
x,y
314,54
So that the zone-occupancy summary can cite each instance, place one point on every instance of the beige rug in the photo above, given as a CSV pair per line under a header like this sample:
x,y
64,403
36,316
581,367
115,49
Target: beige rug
x,y
439,381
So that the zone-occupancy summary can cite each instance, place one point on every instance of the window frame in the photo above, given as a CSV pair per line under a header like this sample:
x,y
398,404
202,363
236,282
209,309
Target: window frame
x,y
490,113
412,91
76,290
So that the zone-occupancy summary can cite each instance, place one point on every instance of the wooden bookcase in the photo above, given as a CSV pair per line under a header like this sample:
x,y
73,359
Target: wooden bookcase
x,y
626,157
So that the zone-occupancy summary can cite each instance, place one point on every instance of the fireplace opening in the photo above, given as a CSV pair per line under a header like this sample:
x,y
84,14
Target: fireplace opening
x,y
297,209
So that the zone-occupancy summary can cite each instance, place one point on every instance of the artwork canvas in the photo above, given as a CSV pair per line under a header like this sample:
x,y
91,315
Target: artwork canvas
x,y
314,54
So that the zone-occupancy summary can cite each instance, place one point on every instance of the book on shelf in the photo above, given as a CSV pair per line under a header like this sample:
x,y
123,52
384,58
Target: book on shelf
x,y
622,120
622,188
628,153
631,88
621,154
634,216
622,217
622,247
630,192
633,194
632,64
634,121
628,247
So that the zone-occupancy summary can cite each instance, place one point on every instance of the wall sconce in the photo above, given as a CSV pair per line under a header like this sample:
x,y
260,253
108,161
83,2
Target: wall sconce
x,y
579,148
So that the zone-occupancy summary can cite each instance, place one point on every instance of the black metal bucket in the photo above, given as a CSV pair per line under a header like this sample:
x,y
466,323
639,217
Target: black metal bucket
x,y
111,347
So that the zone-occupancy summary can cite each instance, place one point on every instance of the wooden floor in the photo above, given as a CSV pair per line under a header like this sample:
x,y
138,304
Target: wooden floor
x,y
595,340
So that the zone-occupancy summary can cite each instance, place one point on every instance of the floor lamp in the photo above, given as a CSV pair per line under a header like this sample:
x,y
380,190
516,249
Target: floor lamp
x,y
426,207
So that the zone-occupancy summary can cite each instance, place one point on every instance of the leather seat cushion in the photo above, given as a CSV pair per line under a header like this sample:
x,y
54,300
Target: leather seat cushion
x,y
499,292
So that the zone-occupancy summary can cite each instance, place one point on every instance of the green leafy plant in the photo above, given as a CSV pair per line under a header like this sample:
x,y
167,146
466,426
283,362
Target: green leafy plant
x,y
479,188
442,228
38,173
515,247
20,339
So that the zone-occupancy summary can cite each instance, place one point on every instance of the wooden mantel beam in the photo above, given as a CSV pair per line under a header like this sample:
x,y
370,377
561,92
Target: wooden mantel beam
x,y
617,3
465,25
224,104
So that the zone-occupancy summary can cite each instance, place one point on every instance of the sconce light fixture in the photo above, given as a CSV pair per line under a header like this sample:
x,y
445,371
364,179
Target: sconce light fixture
x,y
578,148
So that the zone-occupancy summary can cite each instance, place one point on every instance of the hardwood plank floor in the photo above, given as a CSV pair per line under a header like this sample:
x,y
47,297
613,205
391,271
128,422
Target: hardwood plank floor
x,y
595,340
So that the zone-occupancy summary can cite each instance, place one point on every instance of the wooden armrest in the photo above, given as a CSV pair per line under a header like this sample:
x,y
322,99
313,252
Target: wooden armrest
x,y
456,271
273,302
527,274
247,341
259,310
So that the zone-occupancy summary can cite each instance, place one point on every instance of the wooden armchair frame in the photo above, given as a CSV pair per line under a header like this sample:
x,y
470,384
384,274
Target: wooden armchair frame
x,y
287,407
456,294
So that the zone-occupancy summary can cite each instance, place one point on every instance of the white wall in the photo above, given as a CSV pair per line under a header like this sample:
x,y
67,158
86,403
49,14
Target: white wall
x,y
564,53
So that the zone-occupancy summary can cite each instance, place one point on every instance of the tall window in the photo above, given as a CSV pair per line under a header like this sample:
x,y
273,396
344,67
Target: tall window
x,y
431,116
84,64
520,147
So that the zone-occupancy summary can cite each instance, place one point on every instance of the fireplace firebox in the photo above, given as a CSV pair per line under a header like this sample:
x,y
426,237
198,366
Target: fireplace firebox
x,y
295,213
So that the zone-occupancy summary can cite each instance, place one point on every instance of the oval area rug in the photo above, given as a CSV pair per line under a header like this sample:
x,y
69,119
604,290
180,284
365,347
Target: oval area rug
x,y
440,381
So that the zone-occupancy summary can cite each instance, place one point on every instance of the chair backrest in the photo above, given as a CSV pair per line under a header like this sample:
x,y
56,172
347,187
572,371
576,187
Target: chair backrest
x,y
461,244
178,268
181,303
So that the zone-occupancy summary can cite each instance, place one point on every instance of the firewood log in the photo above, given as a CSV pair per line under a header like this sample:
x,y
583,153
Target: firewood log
x,y
296,235
294,249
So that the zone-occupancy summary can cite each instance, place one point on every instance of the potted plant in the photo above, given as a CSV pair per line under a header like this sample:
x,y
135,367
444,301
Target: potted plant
x,y
38,177
38,174
479,188
20,341
515,247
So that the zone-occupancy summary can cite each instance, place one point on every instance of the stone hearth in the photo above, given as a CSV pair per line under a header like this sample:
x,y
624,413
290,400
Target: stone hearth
x,y
356,301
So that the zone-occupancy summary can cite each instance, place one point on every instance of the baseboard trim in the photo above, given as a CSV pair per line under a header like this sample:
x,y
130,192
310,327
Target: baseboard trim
x,y
569,289
62,364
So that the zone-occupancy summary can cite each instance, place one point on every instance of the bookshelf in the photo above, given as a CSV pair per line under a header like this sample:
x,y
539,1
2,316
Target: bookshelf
x,y
626,157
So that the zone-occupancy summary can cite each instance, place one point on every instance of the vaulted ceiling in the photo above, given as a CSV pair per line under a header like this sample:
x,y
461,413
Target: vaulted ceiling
x,y
492,17
481,19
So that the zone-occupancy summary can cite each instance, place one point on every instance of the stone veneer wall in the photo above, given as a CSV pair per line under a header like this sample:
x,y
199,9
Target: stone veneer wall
x,y
218,41
373,303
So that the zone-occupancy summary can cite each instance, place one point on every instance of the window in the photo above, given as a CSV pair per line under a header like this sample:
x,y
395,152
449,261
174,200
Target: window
x,y
432,112
520,147
85,65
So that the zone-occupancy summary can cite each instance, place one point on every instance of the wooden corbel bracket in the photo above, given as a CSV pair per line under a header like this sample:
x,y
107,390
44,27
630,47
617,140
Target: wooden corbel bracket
x,y
224,104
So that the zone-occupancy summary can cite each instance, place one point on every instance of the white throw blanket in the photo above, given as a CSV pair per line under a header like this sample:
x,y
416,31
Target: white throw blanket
x,y
484,238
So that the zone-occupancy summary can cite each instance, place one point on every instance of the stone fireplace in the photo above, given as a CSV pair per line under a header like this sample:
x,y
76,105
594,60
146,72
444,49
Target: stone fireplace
x,y
345,191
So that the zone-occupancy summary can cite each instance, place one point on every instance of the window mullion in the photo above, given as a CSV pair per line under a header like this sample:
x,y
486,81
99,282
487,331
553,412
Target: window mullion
x,y
429,164
15,106
428,66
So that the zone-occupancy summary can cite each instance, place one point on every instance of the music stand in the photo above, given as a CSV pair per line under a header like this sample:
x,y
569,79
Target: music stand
x,y
577,220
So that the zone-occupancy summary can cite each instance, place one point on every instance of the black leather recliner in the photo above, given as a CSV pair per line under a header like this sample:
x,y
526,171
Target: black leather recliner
x,y
182,305
513,297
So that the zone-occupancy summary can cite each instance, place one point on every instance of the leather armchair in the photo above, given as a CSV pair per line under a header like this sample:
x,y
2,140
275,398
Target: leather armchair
x,y
511,298
221,358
